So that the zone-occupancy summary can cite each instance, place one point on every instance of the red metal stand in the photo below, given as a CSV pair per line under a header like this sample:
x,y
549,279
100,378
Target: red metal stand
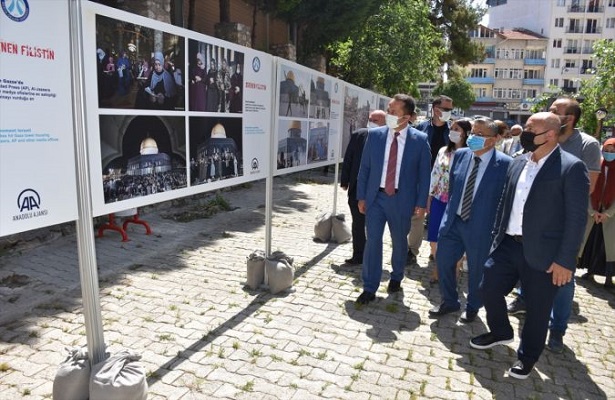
x,y
111,225
135,220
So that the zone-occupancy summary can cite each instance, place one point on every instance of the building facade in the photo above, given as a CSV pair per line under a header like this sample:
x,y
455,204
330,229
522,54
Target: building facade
x,y
512,73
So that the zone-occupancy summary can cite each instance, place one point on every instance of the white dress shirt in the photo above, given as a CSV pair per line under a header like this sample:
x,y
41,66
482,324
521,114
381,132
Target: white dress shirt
x,y
401,143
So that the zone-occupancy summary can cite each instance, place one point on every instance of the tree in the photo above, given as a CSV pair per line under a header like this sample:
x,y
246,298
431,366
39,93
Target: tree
x,y
394,50
459,90
455,18
599,90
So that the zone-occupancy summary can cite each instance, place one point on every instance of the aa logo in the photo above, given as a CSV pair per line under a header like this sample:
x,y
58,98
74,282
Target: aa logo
x,y
28,200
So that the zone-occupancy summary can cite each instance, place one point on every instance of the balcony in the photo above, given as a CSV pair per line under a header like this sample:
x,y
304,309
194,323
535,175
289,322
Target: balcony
x,y
588,50
569,89
486,80
594,9
576,8
489,60
570,71
484,100
534,61
574,29
534,81
594,30
572,50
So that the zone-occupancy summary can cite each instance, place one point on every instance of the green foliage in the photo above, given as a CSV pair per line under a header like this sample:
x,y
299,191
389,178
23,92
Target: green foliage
x,y
395,49
459,90
599,90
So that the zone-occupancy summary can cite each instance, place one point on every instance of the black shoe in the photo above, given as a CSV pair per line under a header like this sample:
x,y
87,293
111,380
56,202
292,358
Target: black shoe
x,y
365,298
468,316
394,286
353,261
555,342
411,258
442,309
520,371
517,306
488,340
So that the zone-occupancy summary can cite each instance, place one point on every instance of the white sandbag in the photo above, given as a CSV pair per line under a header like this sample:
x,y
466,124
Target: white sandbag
x,y
255,269
280,275
341,232
119,377
322,227
72,381
280,255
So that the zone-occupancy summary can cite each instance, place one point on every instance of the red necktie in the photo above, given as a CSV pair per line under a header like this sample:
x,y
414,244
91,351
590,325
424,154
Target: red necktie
x,y
389,183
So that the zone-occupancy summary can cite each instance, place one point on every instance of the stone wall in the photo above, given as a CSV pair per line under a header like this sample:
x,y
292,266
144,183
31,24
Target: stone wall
x,y
287,51
234,32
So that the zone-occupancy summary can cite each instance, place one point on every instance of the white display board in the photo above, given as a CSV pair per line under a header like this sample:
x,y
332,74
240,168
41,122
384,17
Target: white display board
x,y
358,103
37,159
170,112
308,118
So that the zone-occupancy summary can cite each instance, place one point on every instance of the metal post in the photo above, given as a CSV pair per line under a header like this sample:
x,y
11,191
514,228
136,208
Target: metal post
x,y
85,227
271,154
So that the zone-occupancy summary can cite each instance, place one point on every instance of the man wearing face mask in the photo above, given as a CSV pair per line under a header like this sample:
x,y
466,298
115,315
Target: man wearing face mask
x,y
437,130
512,146
586,148
538,230
393,184
348,181
476,182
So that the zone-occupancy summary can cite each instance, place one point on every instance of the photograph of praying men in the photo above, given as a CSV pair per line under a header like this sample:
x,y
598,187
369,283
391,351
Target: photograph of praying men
x,y
320,101
293,93
215,81
215,149
357,106
138,67
318,142
292,143
141,155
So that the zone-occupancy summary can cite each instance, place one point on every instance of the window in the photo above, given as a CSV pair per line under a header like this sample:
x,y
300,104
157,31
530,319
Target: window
x,y
557,43
559,22
570,63
587,67
529,93
611,3
532,74
478,73
555,62
535,53
610,23
480,92
591,26
553,82
561,3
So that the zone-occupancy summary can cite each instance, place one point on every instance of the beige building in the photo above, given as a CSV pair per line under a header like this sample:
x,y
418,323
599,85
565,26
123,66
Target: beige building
x,y
510,76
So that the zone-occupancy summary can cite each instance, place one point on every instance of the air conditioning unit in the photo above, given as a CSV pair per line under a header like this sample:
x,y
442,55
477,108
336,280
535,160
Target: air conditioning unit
x,y
524,106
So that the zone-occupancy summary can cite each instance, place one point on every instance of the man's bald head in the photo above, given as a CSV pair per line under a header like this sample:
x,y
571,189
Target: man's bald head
x,y
378,117
545,125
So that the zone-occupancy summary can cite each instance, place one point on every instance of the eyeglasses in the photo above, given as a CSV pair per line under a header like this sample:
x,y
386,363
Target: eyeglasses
x,y
445,109
481,134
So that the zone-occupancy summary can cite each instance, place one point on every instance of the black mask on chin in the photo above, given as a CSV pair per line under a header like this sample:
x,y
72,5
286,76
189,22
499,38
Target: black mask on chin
x,y
527,140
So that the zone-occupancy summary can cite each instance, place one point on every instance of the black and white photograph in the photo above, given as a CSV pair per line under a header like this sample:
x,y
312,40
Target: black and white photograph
x,y
142,155
138,67
215,149
320,98
294,95
292,143
318,142
215,80
357,105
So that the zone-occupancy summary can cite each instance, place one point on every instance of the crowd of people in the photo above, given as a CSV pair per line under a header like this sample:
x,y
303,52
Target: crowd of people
x,y
215,89
520,206
130,186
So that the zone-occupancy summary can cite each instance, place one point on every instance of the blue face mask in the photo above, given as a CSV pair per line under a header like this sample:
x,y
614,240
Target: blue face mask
x,y
476,143
608,157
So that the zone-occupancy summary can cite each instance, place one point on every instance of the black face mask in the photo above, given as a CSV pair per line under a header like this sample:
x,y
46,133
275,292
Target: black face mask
x,y
527,140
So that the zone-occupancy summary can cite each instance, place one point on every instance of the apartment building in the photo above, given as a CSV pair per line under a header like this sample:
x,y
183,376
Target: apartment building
x,y
512,73
572,27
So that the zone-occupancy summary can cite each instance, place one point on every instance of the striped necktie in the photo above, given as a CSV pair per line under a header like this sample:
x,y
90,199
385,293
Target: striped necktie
x,y
389,183
468,194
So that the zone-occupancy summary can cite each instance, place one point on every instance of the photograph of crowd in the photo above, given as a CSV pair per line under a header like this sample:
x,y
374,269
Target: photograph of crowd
x,y
320,101
357,105
292,143
215,149
141,155
294,98
318,142
138,67
215,82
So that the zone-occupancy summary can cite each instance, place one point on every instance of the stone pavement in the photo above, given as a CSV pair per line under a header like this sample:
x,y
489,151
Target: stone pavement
x,y
177,297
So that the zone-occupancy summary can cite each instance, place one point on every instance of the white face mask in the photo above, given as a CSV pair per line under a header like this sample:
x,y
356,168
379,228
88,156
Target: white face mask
x,y
454,136
391,121
516,138
446,115
371,125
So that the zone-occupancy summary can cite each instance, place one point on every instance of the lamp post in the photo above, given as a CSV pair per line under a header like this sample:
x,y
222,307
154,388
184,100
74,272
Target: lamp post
x,y
600,116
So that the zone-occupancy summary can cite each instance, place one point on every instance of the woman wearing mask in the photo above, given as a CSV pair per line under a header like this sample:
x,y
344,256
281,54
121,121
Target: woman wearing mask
x,y
598,253
438,190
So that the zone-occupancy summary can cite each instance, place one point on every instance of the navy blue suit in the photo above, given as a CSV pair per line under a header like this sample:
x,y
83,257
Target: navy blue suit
x,y
474,235
554,214
396,210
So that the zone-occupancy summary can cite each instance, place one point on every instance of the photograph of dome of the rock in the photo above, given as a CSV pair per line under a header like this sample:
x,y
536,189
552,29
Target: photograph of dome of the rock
x,y
292,143
318,142
320,100
294,93
141,155
215,149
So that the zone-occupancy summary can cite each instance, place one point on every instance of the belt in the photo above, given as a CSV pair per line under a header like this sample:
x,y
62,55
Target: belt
x,y
516,238
382,190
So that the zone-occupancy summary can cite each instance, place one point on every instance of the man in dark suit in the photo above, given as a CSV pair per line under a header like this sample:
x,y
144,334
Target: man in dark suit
x,y
538,232
393,184
348,181
476,181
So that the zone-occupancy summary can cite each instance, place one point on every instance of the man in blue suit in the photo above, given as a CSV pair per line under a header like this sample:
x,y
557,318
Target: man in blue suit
x,y
537,234
393,184
468,219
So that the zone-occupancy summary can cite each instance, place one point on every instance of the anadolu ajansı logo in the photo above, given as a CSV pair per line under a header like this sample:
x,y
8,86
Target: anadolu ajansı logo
x,y
17,10
28,200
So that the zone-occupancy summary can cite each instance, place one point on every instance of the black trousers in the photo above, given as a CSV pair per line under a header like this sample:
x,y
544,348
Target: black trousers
x,y
358,228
